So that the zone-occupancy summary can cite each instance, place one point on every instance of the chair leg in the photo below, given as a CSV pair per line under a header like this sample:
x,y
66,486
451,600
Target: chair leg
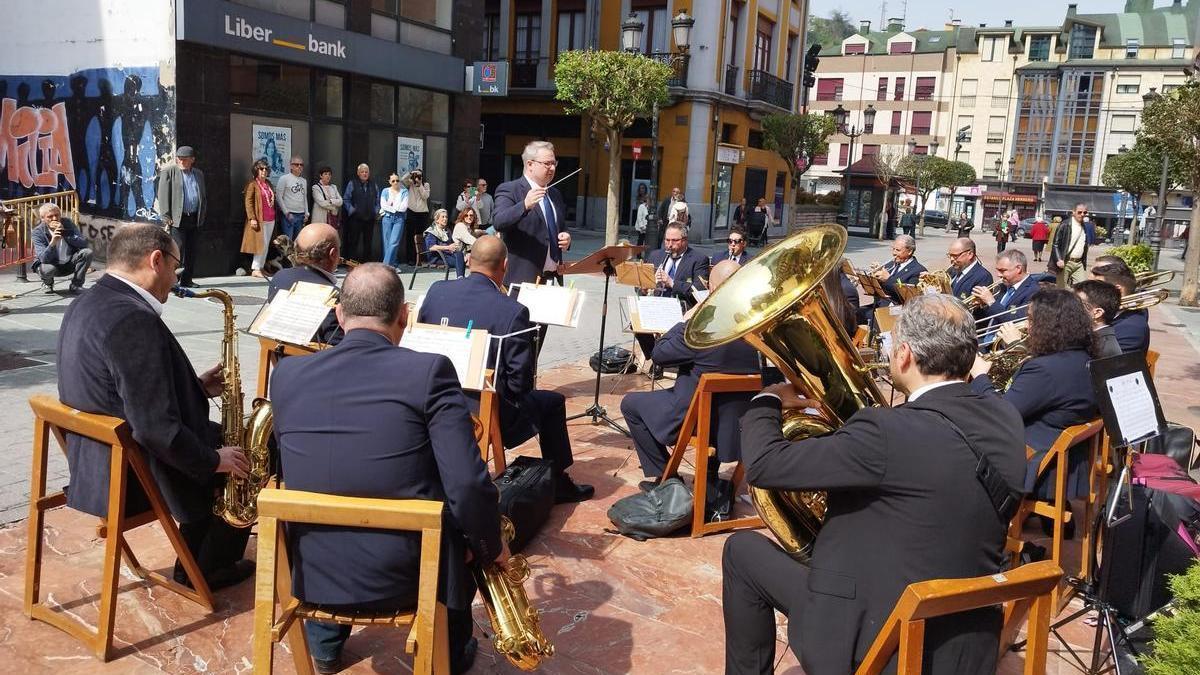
x,y
1037,635
102,646
441,642
34,544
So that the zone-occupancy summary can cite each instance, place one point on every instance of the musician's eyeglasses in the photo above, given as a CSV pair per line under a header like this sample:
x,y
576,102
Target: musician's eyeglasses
x,y
550,165
179,269
736,241
955,256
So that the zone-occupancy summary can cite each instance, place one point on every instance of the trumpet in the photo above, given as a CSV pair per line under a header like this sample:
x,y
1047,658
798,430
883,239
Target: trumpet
x,y
1146,281
973,303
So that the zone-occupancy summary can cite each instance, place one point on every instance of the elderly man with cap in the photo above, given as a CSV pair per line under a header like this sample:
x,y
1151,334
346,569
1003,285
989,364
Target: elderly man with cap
x,y
182,202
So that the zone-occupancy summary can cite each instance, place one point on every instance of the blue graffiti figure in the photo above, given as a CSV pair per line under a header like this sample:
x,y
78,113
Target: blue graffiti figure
x,y
106,161
80,111
132,111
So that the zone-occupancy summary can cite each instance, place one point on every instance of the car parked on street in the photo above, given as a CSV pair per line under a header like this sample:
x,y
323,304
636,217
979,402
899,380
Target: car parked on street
x,y
936,218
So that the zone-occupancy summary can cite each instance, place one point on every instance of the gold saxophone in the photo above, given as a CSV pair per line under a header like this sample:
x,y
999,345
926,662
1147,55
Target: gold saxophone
x,y
775,304
238,503
517,625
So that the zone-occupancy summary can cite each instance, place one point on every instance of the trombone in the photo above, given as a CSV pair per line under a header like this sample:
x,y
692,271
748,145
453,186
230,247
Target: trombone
x,y
1146,281
1144,299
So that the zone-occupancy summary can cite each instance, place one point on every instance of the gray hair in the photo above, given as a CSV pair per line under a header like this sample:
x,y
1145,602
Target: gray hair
x,y
683,233
941,334
532,148
907,242
131,244
45,209
440,212
361,167
1015,257
372,290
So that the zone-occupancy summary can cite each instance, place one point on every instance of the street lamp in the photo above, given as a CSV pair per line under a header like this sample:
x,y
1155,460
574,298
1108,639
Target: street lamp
x,y
1151,97
1119,235
631,34
840,118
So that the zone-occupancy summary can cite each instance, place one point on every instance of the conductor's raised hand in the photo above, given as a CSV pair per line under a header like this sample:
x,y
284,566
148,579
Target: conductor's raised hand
x,y
233,461
534,196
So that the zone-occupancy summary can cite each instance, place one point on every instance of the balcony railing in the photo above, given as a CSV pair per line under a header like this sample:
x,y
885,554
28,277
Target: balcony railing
x,y
767,88
679,66
731,78
524,73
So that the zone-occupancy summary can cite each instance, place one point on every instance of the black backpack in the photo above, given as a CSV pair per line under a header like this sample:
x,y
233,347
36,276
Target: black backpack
x,y
659,512
613,360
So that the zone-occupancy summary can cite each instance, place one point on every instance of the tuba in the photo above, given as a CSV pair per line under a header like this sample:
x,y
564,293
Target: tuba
x,y
518,627
238,503
775,303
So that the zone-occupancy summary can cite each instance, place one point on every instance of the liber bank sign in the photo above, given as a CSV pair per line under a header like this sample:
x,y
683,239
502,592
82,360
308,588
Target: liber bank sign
x,y
246,29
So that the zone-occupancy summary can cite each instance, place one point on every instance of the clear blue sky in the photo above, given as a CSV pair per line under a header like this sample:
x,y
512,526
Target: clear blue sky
x,y
933,14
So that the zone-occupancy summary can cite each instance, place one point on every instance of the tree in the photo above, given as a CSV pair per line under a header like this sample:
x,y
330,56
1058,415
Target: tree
x,y
1172,124
793,136
612,89
1138,171
932,174
831,31
887,167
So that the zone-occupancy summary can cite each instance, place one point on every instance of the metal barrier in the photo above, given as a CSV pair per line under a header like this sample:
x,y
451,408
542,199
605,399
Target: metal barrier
x,y
17,246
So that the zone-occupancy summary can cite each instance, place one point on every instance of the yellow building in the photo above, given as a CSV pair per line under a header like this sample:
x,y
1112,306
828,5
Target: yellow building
x,y
741,64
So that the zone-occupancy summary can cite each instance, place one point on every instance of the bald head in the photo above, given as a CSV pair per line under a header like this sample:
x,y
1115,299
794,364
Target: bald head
x,y
373,298
489,257
720,272
961,252
318,245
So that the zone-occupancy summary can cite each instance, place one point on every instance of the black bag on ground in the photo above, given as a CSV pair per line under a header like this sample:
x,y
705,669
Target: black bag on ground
x,y
613,360
526,497
659,512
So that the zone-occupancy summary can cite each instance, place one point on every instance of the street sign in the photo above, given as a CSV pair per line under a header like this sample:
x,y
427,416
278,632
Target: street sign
x,y
637,149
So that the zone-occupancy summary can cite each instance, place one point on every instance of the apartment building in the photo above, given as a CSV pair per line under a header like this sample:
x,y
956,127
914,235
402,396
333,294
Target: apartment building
x,y
741,65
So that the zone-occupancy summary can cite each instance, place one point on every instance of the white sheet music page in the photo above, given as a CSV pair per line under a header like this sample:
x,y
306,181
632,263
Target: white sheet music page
x,y
700,294
294,317
453,345
554,305
658,314
1134,406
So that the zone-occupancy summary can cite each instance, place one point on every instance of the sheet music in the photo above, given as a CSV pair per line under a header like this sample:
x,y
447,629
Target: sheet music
x,y
700,294
1133,405
293,317
454,345
658,314
555,305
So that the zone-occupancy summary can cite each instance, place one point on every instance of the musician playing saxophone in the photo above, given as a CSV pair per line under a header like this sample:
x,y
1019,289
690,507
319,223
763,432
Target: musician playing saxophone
x,y
116,357
904,505
386,422
902,269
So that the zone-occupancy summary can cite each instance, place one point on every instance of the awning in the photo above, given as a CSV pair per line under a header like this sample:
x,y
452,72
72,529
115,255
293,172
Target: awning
x,y
1008,198
1063,201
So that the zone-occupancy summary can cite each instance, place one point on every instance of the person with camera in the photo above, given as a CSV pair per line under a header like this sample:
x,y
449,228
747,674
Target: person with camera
x,y
59,250
418,211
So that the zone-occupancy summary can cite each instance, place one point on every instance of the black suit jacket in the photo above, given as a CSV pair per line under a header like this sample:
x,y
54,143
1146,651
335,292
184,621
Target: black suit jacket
x,y
724,255
1133,330
907,276
961,284
691,267
1000,310
329,332
369,419
524,231
904,506
116,357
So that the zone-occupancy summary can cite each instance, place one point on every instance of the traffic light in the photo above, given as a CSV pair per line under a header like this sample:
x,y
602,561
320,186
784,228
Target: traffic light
x,y
810,66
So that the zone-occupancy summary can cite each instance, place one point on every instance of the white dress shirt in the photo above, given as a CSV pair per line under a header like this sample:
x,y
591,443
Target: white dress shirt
x,y
155,305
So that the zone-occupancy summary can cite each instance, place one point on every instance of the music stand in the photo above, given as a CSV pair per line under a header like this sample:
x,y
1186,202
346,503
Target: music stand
x,y
603,260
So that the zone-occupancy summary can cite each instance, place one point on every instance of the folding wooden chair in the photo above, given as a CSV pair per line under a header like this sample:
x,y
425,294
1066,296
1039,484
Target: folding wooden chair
x,y
904,631
1151,360
695,432
428,637
270,351
52,417
422,261
487,434
1056,459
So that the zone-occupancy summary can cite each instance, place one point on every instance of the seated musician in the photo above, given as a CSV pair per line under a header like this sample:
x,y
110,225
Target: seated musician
x,y
389,423
524,411
1019,287
1102,300
1052,389
654,417
966,271
116,357
318,250
678,268
903,268
1131,326
737,247
904,505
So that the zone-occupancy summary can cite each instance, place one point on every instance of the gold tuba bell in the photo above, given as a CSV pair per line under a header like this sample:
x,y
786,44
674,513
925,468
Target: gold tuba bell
x,y
775,303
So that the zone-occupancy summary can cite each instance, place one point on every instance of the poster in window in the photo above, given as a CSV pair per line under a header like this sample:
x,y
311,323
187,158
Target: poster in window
x,y
273,144
410,154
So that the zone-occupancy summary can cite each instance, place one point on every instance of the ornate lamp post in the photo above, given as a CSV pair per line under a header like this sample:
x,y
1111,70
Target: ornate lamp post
x,y
1149,98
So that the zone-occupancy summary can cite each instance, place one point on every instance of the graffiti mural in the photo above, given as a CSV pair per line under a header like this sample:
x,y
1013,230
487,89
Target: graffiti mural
x,y
101,132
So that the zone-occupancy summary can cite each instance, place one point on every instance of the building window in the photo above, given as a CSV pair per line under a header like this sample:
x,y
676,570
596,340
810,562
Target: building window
x,y
1000,93
1123,124
383,103
870,150
868,127
995,133
896,114
899,88
754,139
384,19
1128,84
900,48
294,8
491,37
829,89
330,95
528,37
1131,48
921,121
969,90
1083,42
424,110
965,122
330,13
925,87
269,86
881,93
657,24
1039,48
854,48
791,58
1171,84
921,150
843,154
989,165
992,49
762,45
570,32
1178,48
431,12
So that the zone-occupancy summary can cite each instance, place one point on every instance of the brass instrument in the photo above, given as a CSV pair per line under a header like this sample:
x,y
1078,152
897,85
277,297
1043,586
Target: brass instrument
x,y
1143,299
775,303
935,282
1146,281
973,303
238,503
350,264
517,625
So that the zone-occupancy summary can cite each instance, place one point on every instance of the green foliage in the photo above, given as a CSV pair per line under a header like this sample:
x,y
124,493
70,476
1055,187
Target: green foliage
x,y
831,31
1177,638
612,88
1139,170
956,174
1172,124
791,135
1139,257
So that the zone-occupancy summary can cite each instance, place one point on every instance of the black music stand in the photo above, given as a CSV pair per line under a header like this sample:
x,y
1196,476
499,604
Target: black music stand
x,y
605,260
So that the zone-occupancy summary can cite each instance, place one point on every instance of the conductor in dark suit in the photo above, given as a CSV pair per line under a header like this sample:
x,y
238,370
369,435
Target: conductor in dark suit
x,y
361,433
116,357
966,272
531,218
902,269
904,506
654,417
318,250
476,300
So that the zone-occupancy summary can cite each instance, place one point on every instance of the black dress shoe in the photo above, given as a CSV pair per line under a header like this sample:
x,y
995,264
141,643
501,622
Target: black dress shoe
x,y
223,578
462,662
567,491
328,666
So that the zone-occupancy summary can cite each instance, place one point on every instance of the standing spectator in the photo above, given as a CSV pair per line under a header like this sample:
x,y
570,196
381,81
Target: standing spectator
x,y
1068,252
441,246
1090,228
393,202
361,200
466,198
760,220
182,202
739,213
484,205
418,210
638,198
1001,234
327,202
59,250
964,225
908,222
679,214
1040,234
291,192
639,220
889,220
1014,224
664,213
259,200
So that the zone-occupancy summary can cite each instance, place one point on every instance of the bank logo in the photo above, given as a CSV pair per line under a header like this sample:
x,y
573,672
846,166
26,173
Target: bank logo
x,y
239,27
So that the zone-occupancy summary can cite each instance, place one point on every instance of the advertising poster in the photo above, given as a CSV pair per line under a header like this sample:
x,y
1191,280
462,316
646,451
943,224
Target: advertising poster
x,y
273,144
410,154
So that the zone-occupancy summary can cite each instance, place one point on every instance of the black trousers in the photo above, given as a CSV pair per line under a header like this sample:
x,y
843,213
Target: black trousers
x,y
543,413
654,455
414,223
186,236
758,579
327,639
359,237
213,543
76,268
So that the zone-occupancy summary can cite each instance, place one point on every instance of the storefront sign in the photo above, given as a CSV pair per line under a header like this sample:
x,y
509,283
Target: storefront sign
x,y
728,155
491,78
273,144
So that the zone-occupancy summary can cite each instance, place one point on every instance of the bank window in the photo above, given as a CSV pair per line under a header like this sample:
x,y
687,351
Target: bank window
x,y
265,85
1131,48
1128,84
330,13
1178,48
424,110
383,103
384,23
570,32
294,8
330,95
491,37
1039,48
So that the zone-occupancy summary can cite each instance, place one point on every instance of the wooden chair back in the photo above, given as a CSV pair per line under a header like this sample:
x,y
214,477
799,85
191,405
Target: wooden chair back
x,y
696,432
1151,361
904,630
270,351
427,638
52,417
491,443
422,261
